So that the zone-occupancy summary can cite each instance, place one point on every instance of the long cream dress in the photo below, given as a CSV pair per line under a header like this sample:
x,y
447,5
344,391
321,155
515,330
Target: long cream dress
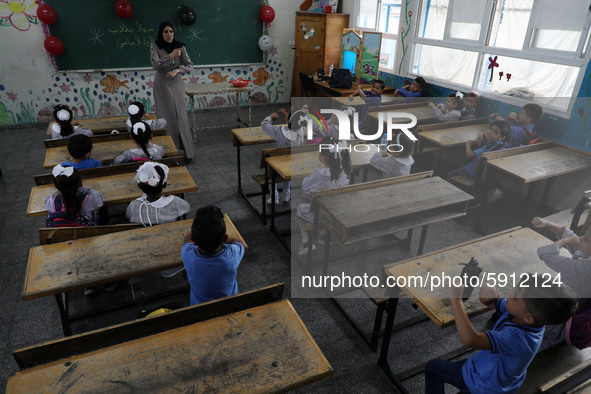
x,y
169,96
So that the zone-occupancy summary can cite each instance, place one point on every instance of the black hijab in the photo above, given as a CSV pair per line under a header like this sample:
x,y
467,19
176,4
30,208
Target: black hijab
x,y
167,46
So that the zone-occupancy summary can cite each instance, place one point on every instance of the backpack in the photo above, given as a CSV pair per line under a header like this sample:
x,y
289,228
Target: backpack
x,y
530,136
341,79
61,218
577,330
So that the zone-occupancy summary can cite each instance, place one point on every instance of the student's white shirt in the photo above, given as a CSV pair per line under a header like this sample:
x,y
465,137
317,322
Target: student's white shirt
x,y
164,210
155,124
56,131
391,166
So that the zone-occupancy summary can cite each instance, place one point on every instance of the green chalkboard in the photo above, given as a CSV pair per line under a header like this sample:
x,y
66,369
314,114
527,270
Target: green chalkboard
x,y
95,37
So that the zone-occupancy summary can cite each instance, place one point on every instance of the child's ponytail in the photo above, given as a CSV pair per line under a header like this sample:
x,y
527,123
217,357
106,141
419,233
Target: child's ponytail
x,y
141,134
136,112
67,180
338,158
63,116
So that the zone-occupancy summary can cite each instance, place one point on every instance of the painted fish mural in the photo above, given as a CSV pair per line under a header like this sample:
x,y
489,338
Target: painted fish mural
x,y
217,77
112,84
261,76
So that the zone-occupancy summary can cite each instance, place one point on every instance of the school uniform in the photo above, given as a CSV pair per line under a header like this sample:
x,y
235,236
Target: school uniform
x,y
522,134
91,201
56,132
164,210
156,153
468,114
155,124
84,164
282,135
470,168
449,116
391,166
371,100
318,180
407,93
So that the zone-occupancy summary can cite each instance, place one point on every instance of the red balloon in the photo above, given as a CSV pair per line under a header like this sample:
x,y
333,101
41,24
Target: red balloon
x,y
54,45
46,14
267,14
123,8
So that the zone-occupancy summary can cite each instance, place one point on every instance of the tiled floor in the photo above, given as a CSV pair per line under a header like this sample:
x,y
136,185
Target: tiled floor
x,y
25,323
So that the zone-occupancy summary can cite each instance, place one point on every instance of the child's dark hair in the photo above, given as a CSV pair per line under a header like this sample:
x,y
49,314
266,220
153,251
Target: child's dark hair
x,y
154,190
421,82
504,126
68,187
79,145
406,143
382,83
208,228
141,133
553,304
337,161
63,116
136,112
534,111
457,100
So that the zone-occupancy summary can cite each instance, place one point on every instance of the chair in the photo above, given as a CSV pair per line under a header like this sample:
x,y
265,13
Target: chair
x,y
308,85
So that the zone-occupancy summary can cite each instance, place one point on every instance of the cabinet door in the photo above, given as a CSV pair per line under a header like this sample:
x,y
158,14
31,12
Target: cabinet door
x,y
310,33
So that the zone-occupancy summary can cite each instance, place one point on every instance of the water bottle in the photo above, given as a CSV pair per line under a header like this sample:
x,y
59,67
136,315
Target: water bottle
x,y
384,140
330,70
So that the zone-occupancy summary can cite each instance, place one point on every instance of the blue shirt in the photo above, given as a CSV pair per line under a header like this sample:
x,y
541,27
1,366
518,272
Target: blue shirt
x,y
489,146
84,164
408,93
502,369
519,134
212,276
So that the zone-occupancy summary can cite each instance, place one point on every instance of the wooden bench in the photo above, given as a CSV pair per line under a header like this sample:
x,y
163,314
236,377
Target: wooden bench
x,y
104,125
448,135
100,138
571,218
107,151
256,336
61,267
51,235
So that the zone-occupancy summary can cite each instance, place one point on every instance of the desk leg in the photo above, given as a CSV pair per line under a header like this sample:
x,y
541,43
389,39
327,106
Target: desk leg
x,y
326,253
273,183
249,111
422,240
193,118
383,360
238,108
62,306
238,166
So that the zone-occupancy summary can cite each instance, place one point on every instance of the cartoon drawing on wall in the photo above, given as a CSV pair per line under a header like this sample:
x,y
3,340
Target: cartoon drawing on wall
x,y
370,57
18,13
404,30
216,76
112,84
261,76
5,115
193,80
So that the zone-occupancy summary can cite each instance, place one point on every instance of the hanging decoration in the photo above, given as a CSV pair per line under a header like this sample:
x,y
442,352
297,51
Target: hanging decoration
x,y
267,14
123,8
492,65
54,45
265,42
187,16
46,14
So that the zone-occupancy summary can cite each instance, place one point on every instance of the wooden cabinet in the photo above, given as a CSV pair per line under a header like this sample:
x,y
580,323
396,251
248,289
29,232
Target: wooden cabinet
x,y
318,47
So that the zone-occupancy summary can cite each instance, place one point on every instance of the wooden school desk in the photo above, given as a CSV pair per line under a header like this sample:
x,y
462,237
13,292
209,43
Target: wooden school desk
x,y
104,125
451,134
218,88
100,138
65,266
250,342
358,101
421,110
513,251
323,89
107,151
116,189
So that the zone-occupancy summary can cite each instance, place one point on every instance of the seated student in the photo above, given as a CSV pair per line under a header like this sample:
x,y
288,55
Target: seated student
x,y
284,137
522,129
497,137
335,170
79,147
136,114
506,351
413,90
210,257
575,272
395,163
333,125
74,204
470,103
65,127
372,98
141,133
450,112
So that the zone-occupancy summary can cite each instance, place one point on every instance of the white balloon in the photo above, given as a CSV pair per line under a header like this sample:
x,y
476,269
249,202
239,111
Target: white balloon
x,y
265,42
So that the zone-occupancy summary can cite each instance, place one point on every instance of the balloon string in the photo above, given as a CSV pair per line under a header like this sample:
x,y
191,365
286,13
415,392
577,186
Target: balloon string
x,y
46,32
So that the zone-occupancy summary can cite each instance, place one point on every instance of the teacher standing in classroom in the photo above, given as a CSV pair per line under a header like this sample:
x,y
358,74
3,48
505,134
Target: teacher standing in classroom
x,y
171,61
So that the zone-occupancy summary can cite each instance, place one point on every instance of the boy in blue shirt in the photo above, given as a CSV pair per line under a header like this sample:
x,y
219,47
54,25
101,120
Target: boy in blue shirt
x,y
210,257
79,147
508,349
372,98
522,129
413,90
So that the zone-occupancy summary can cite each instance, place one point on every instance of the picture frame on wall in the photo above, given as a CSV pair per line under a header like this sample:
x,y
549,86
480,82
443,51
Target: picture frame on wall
x,y
350,51
370,57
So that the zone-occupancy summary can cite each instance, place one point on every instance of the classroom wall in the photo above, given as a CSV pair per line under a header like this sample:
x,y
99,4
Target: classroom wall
x,y
30,86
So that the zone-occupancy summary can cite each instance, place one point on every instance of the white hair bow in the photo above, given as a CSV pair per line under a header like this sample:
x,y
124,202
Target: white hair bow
x,y
460,94
336,149
147,173
59,170
133,109
63,115
139,126
348,110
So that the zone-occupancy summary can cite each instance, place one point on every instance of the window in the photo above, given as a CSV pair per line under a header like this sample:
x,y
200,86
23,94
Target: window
x,y
381,16
532,49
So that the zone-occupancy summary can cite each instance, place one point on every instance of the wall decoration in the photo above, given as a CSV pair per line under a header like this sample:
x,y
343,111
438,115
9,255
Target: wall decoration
x,y
404,30
350,50
18,13
370,56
